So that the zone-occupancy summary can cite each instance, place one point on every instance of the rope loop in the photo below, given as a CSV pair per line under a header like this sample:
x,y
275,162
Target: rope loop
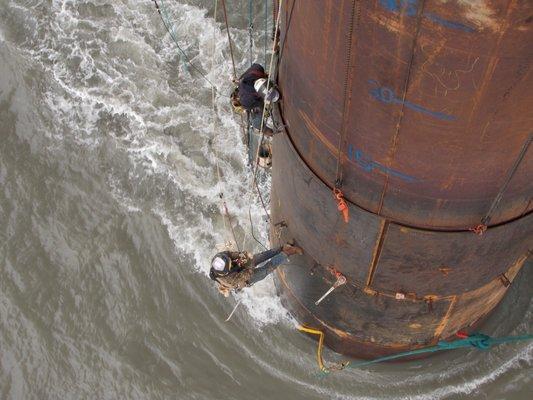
x,y
480,341
479,229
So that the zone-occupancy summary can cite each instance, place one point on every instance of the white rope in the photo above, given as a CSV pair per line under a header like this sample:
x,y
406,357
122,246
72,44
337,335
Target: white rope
x,y
223,207
264,109
268,85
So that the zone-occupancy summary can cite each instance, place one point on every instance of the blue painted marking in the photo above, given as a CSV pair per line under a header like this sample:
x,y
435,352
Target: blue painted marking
x,y
449,24
391,5
368,165
396,6
411,9
387,96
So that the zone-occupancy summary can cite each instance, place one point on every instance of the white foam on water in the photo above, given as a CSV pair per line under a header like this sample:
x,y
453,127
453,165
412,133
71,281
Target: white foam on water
x,y
125,94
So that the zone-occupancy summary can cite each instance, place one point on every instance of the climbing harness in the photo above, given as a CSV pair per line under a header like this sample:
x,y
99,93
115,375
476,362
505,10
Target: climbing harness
x,y
479,341
341,204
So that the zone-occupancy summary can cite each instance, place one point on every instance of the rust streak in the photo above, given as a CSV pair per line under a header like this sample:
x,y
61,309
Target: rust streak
x,y
319,135
491,67
444,321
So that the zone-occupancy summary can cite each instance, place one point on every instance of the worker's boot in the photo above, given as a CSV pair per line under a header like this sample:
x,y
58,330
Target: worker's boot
x,y
290,250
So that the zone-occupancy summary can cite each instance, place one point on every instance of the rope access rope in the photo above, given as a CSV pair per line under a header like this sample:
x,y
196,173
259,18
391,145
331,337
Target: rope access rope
x,y
165,18
267,85
224,208
266,29
250,55
229,39
482,227
250,30
163,14
255,164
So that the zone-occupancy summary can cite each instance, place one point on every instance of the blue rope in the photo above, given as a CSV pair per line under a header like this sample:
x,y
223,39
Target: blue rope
x,y
476,340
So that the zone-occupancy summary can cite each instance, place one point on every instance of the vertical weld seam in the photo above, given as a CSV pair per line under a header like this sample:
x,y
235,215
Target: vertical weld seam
x,y
377,252
382,197
444,321
348,81
392,150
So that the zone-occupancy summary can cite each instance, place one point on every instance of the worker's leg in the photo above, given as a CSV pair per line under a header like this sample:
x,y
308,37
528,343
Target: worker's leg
x,y
255,119
265,255
264,270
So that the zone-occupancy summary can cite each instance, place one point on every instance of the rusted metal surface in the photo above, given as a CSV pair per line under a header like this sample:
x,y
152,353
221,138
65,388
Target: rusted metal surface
x,y
306,203
478,303
406,287
439,104
445,263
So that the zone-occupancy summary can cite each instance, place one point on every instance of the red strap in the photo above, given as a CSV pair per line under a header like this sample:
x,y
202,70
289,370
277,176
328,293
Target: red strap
x,y
341,204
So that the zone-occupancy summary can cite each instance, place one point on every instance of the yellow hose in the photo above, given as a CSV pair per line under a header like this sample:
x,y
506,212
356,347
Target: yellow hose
x,y
321,365
323,368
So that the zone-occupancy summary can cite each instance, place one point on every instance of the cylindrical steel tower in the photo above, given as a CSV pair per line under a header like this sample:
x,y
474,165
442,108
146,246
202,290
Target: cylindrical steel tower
x,y
421,111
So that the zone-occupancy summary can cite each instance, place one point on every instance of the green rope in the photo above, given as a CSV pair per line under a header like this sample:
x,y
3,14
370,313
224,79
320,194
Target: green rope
x,y
164,14
477,340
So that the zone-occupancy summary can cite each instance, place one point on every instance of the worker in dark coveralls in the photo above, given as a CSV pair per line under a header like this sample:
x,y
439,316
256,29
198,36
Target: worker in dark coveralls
x,y
234,270
251,93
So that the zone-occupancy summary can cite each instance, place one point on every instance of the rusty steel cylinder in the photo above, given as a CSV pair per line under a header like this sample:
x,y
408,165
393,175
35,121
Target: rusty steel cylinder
x,y
420,113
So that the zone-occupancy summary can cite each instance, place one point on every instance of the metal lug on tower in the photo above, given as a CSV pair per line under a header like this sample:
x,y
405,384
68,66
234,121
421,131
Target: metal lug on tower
x,y
341,280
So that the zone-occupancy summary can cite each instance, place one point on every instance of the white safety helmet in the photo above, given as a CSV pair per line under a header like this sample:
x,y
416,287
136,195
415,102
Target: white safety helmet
x,y
271,95
220,265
